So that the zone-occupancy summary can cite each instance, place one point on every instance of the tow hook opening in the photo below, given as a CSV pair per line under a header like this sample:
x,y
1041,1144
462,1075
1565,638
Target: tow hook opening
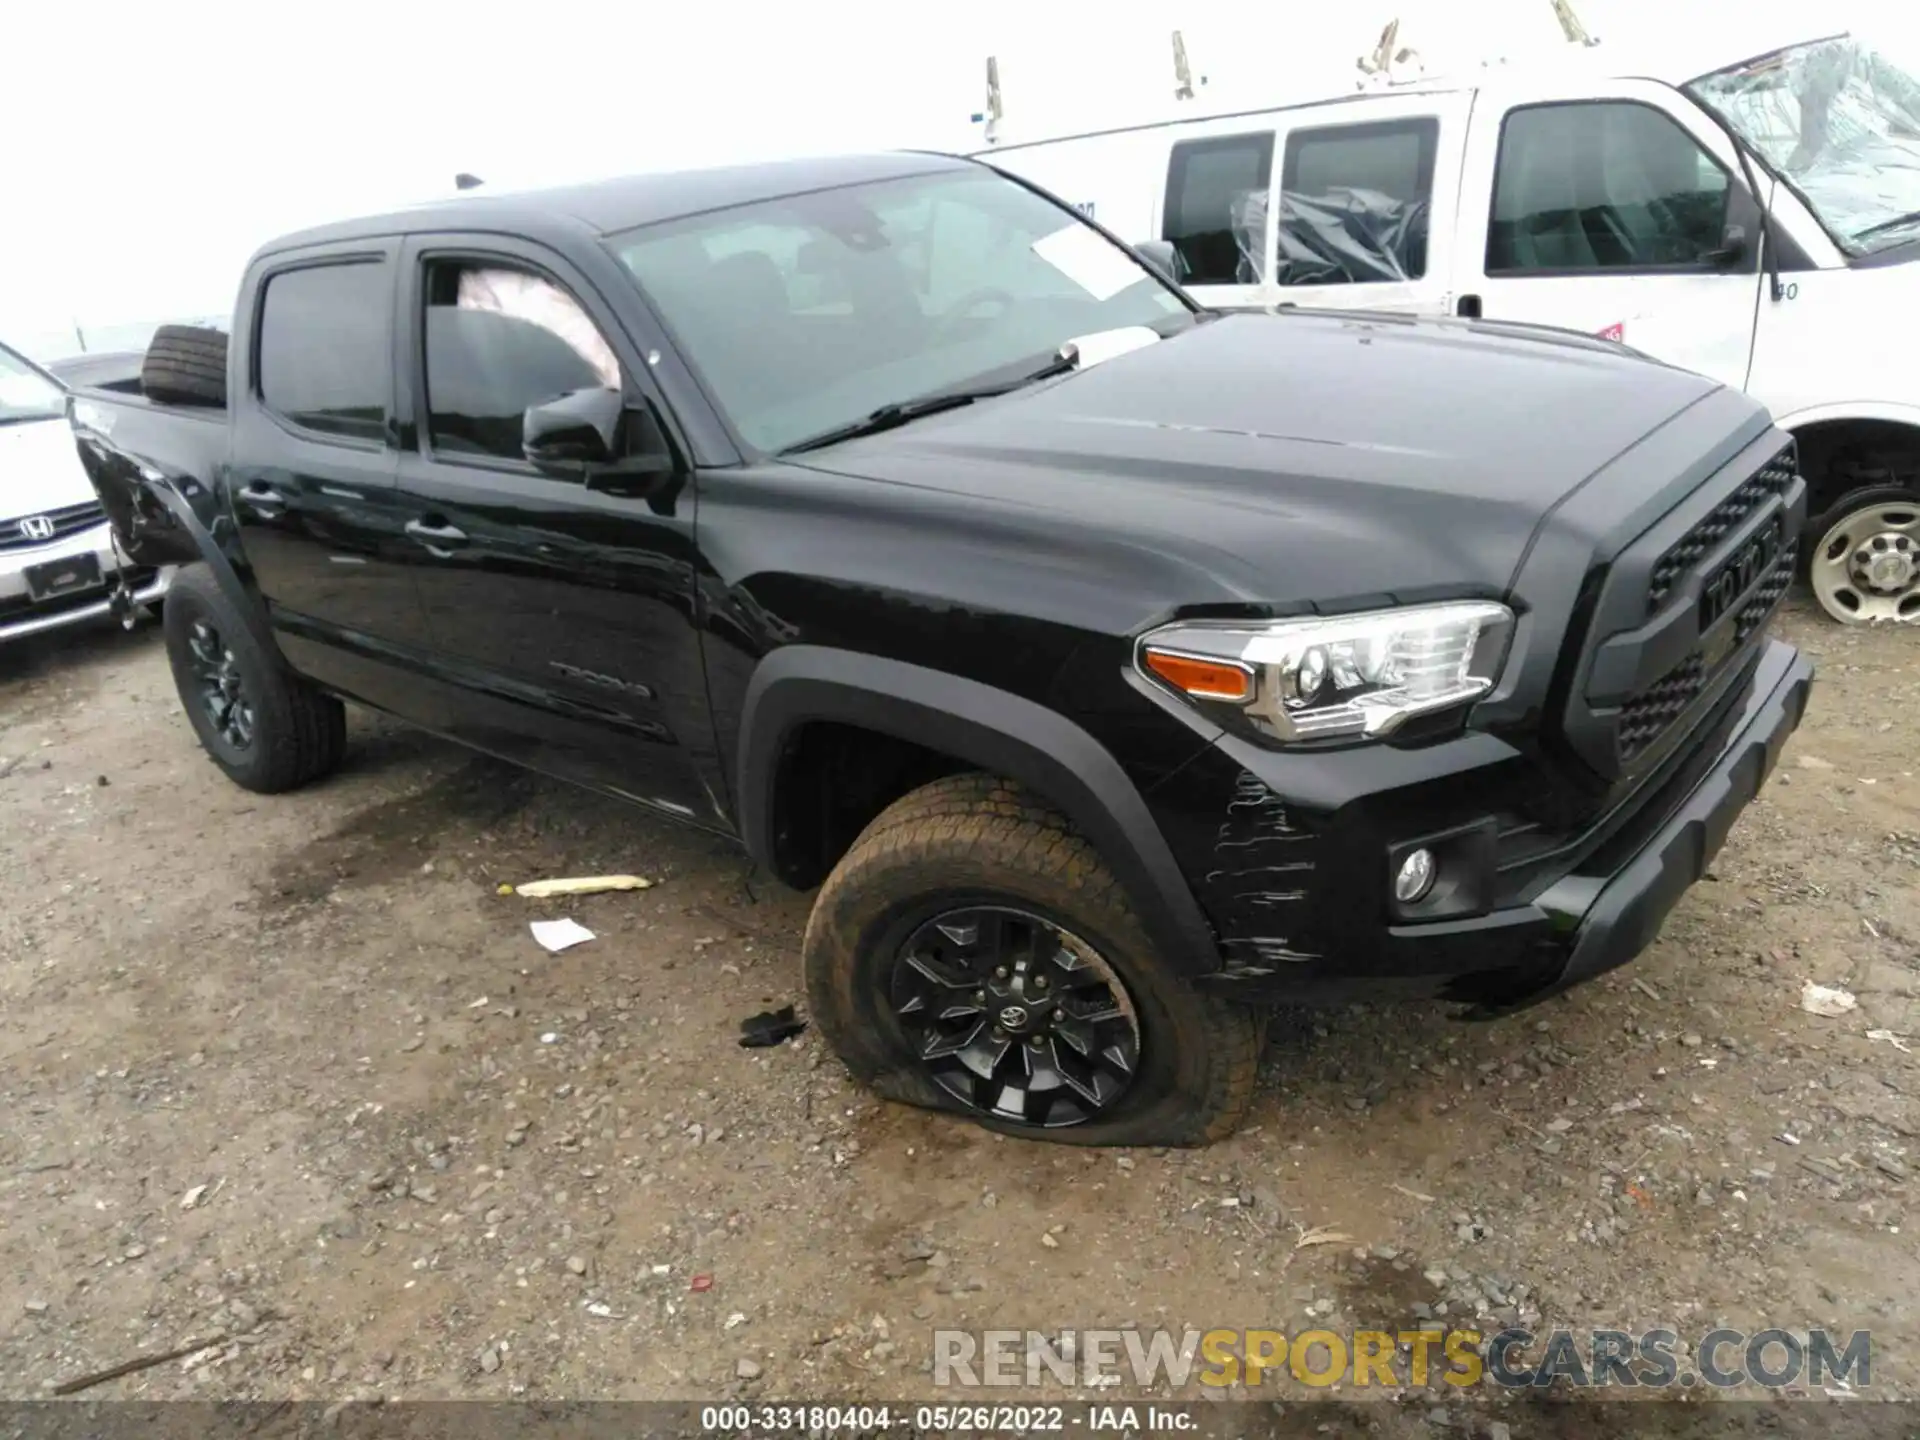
x,y
1495,994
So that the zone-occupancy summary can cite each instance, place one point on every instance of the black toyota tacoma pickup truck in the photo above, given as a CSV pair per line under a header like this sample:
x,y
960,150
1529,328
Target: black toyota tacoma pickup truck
x,y
1116,670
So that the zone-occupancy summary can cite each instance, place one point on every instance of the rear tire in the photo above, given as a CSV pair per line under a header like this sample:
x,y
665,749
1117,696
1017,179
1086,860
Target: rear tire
x,y
974,845
264,726
185,365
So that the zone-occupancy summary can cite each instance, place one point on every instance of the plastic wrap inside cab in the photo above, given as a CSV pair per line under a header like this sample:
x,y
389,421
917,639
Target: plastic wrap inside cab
x,y
1340,237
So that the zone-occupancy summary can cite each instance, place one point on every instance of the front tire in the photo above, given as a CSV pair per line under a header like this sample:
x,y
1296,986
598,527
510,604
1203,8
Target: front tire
x,y
265,727
1863,559
972,953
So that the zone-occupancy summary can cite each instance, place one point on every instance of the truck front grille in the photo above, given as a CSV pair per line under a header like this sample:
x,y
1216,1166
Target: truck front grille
x,y
43,527
1645,718
1649,662
1774,478
1766,598
1647,714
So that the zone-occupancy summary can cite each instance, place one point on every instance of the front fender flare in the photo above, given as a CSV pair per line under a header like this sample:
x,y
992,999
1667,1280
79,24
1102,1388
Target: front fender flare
x,y
991,730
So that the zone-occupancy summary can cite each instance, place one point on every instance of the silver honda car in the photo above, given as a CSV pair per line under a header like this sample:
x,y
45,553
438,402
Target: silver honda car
x,y
58,560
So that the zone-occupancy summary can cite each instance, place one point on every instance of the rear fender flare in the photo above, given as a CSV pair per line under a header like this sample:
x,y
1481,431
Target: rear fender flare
x,y
248,604
991,730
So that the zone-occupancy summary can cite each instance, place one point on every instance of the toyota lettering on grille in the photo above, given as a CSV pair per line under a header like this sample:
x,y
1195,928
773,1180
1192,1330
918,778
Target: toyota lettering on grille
x,y
1744,570
36,527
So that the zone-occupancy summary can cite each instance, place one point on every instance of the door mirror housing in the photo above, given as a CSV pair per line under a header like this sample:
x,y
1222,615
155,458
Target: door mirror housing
x,y
1163,259
597,437
1731,250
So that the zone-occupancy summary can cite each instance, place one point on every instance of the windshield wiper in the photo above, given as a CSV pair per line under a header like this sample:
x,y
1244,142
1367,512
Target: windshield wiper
x,y
889,417
1898,222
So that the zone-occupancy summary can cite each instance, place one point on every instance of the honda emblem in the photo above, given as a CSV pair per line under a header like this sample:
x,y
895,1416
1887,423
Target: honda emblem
x,y
37,527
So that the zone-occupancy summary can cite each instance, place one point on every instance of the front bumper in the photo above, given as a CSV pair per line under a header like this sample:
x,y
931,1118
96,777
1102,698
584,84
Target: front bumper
x,y
1611,919
21,615
1320,937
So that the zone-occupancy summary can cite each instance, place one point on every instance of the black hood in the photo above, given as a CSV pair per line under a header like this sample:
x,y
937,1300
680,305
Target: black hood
x,y
1308,455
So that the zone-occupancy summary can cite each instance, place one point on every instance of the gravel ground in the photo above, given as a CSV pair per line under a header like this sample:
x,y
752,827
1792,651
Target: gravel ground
x,y
291,1071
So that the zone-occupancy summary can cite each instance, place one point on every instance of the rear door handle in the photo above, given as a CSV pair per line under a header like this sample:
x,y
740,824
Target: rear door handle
x,y
263,498
1469,306
441,540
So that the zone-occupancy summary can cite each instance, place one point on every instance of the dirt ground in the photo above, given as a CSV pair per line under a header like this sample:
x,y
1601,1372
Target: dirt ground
x,y
291,1071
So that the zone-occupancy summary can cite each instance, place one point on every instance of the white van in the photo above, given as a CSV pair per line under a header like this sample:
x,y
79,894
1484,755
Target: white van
x,y
1756,220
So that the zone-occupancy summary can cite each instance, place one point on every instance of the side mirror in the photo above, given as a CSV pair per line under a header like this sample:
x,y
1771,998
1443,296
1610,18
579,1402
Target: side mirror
x,y
1163,258
594,436
1731,249
568,435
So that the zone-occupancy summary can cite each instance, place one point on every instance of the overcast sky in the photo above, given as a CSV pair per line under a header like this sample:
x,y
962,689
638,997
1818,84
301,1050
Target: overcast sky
x,y
153,148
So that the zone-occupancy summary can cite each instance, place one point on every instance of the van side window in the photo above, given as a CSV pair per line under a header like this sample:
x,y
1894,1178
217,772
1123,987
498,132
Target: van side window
x,y
1354,202
324,348
1206,180
1602,186
498,340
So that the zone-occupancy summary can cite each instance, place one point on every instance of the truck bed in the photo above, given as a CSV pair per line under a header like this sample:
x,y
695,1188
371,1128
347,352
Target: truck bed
x,y
154,467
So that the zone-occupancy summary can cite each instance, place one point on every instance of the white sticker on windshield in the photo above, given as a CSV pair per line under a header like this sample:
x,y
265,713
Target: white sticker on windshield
x,y
1087,258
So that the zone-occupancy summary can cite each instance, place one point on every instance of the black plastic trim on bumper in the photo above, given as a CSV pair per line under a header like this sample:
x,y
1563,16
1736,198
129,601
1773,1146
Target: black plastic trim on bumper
x,y
1613,924
1598,915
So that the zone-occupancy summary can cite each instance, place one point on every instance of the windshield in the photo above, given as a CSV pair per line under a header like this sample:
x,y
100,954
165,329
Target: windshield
x,y
26,394
805,313
1841,124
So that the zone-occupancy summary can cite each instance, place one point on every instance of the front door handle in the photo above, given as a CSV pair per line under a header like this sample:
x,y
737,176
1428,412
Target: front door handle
x,y
441,540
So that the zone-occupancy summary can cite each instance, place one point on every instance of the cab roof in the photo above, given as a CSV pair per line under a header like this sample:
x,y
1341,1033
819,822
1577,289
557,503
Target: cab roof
x,y
605,207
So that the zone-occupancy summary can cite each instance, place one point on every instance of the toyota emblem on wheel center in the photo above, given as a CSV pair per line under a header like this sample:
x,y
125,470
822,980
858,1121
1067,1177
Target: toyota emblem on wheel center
x,y
37,527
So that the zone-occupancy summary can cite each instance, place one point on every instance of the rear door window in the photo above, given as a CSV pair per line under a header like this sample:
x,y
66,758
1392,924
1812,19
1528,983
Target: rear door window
x,y
1355,202
1211,185
325,354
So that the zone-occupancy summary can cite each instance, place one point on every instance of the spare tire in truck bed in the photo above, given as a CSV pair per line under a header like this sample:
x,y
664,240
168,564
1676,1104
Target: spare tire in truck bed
x,y
185,365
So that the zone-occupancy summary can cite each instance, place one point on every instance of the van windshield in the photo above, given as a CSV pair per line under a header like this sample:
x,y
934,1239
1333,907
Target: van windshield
x,y
1841,124
805,313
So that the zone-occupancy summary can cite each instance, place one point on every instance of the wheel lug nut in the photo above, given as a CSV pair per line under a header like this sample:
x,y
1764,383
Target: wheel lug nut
x,y
1036,1042
1001,973
979,997
1039,982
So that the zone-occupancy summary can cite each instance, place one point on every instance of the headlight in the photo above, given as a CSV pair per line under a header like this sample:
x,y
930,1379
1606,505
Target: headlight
x,y
1344,677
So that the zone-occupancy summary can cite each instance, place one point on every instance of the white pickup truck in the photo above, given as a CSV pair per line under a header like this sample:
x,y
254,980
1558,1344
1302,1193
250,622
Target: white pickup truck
x,y
1752,216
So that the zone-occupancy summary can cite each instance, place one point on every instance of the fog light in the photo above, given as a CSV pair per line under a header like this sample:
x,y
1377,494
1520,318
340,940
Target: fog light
x,y
1415,878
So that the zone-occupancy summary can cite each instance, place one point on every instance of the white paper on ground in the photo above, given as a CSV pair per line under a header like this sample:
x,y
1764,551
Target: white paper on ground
x,y
1105,344
1090,260
1828,1000
556,935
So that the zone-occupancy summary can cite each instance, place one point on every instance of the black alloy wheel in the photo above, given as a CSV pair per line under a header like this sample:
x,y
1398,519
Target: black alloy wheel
x,y
221,688
1015,1017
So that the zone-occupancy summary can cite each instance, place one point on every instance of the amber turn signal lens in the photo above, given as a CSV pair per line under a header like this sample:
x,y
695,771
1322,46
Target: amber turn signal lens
x,y
1202,679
